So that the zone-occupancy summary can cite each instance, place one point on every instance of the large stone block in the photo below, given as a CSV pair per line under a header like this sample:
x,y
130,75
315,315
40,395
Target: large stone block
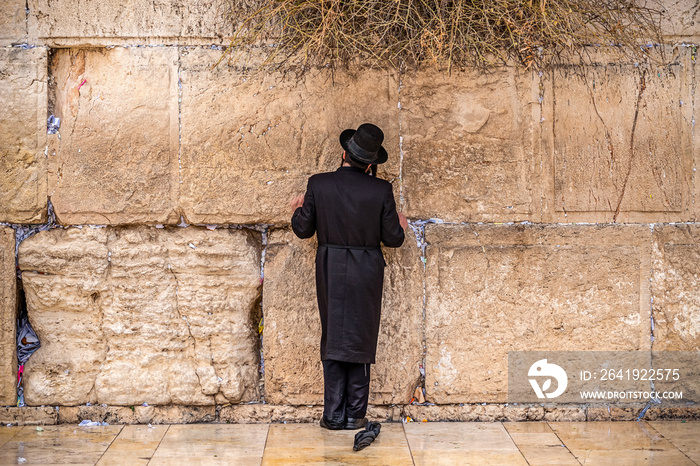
x,y
400,345
13,22
117,159
23,135
680,20
134,315
467,143
491,289
8,318
250,143
293,370
292,329
674,287
618,142
64,23
28,416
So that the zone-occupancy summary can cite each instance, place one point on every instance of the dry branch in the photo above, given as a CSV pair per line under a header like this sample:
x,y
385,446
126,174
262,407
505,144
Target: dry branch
x,y
299,34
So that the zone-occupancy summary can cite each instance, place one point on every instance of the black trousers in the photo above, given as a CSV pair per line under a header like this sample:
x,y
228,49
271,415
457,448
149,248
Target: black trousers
x,y
346,391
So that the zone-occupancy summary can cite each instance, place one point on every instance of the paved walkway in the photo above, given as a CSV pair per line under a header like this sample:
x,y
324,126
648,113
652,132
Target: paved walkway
x,y
520,443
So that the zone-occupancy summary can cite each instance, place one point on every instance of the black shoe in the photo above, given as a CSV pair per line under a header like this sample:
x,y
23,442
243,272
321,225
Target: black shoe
x,y
354,424
325,425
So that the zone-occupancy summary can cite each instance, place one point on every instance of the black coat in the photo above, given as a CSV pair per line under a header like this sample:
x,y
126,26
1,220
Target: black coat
x,y
350,212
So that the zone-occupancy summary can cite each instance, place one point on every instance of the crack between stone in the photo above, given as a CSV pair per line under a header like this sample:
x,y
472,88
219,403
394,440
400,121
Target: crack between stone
x,y
651,290
642,87
187,323
562,442
48,274
216,373
692,121
100,309
419,231
522,455
563,206
541,131
401,153
22,78
672,442
483,249
608,138
26,21
651,321
179,130
24,231
114,439
261,324
554,131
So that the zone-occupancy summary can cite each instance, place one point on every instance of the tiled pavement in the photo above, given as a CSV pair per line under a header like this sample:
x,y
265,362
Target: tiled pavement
x,y
451,443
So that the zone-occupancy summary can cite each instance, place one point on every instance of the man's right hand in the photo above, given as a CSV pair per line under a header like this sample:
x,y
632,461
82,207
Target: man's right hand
x,y
403,221
296,202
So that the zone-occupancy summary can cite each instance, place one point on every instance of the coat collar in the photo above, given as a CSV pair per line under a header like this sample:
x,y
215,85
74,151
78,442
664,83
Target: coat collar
x,y
350,169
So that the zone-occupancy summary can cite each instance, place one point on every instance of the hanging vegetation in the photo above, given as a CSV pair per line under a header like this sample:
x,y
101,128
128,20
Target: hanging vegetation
x,y
298,34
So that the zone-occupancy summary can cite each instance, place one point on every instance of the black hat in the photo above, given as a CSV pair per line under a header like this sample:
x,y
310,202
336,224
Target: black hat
x,y
365,144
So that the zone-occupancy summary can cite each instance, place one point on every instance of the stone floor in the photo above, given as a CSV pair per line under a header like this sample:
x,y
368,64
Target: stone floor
x,y
463,443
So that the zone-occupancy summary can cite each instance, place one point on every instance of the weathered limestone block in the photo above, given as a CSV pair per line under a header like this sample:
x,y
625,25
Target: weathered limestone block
x,y
63,303
23,134
496,412
172,414
467,143
564,413
674,287
400,345
250,143
614,412
292,329
134,315
673,412
117,159
293,370
679,21
618,142
8,318
28,416
474,412
258,413
98,22
491,289
13,22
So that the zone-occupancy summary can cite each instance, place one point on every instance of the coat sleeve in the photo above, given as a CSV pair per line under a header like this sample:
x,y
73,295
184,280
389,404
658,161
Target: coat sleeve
x,y
392,232
304,218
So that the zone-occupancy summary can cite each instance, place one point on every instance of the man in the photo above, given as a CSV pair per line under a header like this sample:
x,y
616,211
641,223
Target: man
x,y
351,213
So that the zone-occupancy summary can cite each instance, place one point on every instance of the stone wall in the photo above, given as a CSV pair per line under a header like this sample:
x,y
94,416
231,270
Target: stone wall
x,y
552,211
139,315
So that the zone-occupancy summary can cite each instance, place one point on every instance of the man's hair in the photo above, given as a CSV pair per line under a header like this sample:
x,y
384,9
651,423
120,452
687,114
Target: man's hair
x,y
355,163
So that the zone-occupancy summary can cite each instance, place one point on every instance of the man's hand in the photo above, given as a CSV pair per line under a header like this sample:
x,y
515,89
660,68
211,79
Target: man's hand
x,y
297,202
403,221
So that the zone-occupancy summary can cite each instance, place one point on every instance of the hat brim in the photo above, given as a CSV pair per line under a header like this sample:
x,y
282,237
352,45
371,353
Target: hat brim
x,y
345,137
